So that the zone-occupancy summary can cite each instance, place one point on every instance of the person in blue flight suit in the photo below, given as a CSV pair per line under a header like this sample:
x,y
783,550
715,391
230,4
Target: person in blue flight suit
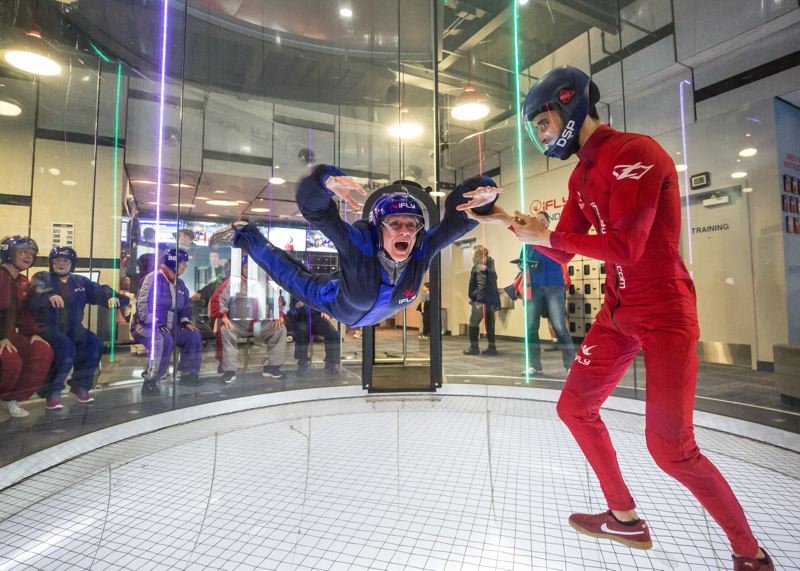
x,y
382,261
58,304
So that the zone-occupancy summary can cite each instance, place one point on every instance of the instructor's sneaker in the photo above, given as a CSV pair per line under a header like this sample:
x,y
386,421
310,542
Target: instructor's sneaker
x,y
81,394
272,372
747,564
606,526
54,403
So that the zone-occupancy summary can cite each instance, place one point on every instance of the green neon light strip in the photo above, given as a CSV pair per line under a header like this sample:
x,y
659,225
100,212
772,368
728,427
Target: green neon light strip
x,y
98,52
114,215
520,164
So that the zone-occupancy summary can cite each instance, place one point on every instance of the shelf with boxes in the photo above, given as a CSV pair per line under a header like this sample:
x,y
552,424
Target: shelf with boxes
x,y
585,293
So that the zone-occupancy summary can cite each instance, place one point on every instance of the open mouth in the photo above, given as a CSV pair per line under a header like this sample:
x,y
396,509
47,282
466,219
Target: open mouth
x,y
402,246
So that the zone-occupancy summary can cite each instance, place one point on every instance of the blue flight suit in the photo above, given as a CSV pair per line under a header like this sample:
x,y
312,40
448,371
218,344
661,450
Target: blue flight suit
x,y
74,346
360,293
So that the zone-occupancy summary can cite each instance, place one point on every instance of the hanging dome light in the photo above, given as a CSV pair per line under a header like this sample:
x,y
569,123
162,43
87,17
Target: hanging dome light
x,y
470,105
32,56
405,129
9,108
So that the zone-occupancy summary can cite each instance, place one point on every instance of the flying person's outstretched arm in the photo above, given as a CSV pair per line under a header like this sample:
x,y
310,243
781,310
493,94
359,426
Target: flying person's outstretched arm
x,y
315,200
479,194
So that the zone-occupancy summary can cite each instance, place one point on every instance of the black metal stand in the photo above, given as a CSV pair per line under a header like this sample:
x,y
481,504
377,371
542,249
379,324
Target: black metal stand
x,y
399,377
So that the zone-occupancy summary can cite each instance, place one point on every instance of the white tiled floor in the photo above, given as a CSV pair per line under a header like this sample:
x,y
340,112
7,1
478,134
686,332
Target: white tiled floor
x,y
389,483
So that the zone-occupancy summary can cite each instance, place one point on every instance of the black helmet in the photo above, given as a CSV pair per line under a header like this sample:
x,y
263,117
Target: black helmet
x,y
571,93
63,252
10,244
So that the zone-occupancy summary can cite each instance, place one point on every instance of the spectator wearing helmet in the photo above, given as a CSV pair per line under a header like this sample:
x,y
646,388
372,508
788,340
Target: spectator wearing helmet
x,y
24,356
163,305
382,261
239,305
58,302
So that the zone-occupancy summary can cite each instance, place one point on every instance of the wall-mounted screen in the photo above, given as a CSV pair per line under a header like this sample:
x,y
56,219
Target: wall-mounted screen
x,y
316,241
289,239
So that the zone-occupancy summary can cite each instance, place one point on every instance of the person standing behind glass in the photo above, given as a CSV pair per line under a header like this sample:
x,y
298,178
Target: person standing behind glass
x,y
484,299
548,295
424,308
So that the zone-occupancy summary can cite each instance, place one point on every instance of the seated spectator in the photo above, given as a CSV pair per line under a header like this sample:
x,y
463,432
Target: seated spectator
x,y
238,315
163,303
24,356
303,323
57,304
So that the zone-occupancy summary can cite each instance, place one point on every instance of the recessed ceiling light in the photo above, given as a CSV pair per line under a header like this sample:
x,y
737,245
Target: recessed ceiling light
x,y
748,152
747,189
183,204
86,78
680,167
738,174
54,171
201,198
213,215
181,185
139,181
747,134
222,203
68,182
32,62
345,12
405,130
276,180
9,108
523,2
259,210
246,149
220,192
437,193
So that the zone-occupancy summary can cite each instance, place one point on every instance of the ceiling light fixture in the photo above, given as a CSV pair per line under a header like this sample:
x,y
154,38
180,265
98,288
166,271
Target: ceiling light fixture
x,y
222,203
437,193
69,183
213,215
748,152
738,174
470,104
345,12
523,2
9,108
220,192
276,180
259,210
680,167
405,130
33,57
54,171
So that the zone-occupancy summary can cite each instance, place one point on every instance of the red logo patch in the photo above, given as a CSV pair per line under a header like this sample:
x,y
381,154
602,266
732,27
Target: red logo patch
x,y
409,293
565,96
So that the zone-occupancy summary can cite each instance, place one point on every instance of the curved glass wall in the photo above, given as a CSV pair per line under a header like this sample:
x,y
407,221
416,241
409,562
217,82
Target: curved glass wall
x,y
155,126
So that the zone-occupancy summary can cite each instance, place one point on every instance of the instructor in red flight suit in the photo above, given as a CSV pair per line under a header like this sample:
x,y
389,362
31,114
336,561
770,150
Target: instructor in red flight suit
x,y
626,187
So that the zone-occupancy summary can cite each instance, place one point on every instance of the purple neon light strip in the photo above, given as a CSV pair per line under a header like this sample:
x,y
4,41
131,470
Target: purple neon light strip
x,y
686,177
159,167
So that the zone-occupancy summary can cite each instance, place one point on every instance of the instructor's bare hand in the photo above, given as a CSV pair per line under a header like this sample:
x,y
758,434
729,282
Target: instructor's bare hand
x,y
495,216
480,196
343,187
530,230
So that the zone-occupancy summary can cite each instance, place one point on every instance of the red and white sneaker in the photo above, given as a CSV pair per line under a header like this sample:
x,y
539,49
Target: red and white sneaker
x,y
606,526
748,564
81,394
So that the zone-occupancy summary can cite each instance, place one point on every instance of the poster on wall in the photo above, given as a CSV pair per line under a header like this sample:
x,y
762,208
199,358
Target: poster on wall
x,y
63,234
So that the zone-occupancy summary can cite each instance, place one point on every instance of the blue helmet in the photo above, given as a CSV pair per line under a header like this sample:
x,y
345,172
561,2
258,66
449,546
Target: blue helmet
x,y
569,92
10,244
173,257
393,203
63,252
